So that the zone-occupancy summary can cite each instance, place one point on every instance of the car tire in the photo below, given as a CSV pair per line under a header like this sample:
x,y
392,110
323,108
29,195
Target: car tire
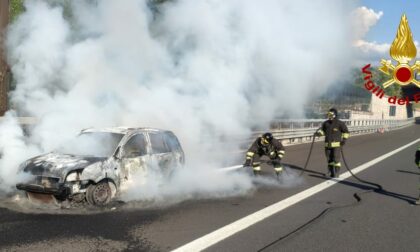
x,y
99,194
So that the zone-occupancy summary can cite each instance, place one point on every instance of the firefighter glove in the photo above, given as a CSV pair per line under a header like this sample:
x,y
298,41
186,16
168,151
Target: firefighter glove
x,y
247,163
273,155
319,133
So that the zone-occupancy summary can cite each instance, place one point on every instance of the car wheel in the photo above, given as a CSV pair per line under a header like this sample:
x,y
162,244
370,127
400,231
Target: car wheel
x,y
99,194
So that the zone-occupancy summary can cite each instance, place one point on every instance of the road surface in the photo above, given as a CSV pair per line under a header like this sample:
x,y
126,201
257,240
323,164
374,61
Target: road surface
x,y
380,222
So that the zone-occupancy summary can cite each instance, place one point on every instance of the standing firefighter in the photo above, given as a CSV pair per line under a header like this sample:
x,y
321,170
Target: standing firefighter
x,y
418,166
269,146
336,134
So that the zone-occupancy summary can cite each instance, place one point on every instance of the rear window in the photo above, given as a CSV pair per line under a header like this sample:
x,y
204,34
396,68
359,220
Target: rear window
x,y
158,143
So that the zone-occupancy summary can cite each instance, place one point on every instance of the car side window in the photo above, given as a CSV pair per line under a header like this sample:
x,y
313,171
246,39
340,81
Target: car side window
x,y
136,146
158,143
172,141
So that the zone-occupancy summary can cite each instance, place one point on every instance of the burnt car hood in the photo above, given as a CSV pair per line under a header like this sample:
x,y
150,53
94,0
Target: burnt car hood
x,y
58,165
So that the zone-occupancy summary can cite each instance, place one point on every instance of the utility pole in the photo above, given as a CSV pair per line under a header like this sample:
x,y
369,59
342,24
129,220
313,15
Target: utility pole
x,y
4,69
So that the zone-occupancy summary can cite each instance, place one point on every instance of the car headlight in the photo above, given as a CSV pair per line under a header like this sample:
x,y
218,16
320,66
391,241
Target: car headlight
x,y
72,176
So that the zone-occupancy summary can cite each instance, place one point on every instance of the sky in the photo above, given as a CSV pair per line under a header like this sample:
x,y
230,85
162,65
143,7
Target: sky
x,y
376,23
385,29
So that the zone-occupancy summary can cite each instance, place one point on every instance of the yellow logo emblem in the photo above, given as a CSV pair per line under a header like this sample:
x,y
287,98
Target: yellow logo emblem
x,y
403,51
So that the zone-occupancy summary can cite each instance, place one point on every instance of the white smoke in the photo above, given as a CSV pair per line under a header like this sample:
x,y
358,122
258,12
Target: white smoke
x,y
13,150
203,69
155,189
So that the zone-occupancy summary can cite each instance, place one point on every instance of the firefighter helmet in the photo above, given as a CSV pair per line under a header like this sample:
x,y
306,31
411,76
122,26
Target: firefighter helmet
x,y
332,113
267,138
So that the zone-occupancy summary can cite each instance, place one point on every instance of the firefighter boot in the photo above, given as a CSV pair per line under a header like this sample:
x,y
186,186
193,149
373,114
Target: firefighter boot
x,y
331,171
337,166
336,171
278,170
256,170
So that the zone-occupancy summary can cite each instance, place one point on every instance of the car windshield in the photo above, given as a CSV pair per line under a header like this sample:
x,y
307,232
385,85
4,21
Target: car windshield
x,y
97,144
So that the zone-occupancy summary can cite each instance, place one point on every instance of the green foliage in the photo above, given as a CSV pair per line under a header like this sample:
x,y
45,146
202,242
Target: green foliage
x,y
16,8
378,78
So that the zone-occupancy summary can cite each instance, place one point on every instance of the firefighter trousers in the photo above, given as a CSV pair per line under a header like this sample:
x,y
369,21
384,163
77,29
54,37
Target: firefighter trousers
x,y
276,162
333,157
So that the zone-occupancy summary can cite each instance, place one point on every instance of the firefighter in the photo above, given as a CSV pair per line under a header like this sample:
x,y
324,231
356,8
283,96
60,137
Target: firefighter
x,y
336,134
417,161
265,145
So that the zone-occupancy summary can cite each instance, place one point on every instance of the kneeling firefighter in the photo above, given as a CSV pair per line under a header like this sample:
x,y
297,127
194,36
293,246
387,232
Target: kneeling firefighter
x,y
265,145
336,134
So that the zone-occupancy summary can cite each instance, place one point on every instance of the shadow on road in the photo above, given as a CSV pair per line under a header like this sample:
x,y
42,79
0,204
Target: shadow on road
x,y
306,170
403,197
409,172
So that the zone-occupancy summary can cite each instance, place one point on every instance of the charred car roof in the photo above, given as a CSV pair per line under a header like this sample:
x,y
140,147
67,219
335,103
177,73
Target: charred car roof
x,y
123,130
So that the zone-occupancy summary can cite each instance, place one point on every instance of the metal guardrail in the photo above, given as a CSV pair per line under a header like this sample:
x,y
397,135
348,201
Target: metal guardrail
x,y
299,130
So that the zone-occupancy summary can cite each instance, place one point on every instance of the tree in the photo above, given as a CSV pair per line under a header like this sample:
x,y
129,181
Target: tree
x,y
378,78
16,8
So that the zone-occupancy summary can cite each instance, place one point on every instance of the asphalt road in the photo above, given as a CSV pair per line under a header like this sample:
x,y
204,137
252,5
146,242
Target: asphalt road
x,y
380,222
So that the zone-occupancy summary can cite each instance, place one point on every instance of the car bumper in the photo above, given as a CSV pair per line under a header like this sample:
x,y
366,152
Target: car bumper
x,y
60,190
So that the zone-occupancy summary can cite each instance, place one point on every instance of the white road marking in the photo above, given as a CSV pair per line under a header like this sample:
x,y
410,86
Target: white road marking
x,y
241,224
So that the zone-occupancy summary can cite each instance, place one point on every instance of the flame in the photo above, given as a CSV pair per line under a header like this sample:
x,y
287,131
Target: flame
x,y
403,48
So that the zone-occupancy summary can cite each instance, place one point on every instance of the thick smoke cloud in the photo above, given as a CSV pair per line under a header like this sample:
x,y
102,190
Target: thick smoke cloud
x,y
204,69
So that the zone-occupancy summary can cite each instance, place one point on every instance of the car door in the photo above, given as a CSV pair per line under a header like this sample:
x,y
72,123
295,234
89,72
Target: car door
x,y
161,155
134,157
175,148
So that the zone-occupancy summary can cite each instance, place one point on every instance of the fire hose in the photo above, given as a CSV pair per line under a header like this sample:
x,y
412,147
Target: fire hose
x,y
309,154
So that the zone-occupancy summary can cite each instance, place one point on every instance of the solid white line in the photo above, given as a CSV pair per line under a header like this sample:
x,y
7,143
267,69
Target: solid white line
x,y
241,224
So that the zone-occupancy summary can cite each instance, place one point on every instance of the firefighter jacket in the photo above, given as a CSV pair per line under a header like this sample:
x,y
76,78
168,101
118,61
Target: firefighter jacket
x,y
335,131
273,150
418,157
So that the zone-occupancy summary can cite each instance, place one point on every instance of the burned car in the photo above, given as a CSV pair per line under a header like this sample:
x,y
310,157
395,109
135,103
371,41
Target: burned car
x,y
96,165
